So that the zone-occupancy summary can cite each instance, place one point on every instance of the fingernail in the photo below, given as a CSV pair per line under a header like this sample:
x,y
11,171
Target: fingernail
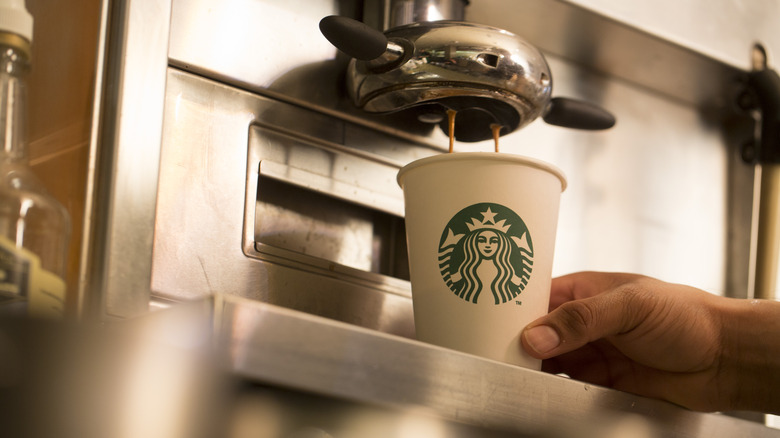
x,y
542,338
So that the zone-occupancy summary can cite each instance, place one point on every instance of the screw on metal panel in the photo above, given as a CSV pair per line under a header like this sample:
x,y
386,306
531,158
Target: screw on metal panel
x,y
748,152
758,57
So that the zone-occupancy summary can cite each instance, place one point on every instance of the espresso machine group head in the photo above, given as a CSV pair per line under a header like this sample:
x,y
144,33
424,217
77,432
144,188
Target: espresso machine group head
x,y
488,75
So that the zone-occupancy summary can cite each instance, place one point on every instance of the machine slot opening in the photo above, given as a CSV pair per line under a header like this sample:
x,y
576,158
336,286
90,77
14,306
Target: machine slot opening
x,y
311,224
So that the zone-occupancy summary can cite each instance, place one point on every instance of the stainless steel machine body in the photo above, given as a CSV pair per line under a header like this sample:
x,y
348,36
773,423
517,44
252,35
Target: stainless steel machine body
x,y
273,187
648,196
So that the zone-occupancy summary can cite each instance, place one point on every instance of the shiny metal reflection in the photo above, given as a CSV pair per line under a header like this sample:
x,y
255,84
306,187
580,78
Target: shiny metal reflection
x,y
459,66
411,11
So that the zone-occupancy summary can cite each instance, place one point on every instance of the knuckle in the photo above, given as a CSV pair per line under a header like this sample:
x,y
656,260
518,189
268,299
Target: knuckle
x,y
630,297
638,303
577,316
636,295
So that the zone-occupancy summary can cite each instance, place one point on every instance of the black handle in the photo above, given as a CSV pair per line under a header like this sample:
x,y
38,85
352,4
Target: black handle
x,y
354,38
764,86
577,114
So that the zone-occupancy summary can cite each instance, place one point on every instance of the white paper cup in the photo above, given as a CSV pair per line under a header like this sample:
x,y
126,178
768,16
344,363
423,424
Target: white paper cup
x,y
480,230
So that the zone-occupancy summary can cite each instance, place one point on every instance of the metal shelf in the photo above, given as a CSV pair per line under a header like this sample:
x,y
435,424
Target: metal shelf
x,y
298,351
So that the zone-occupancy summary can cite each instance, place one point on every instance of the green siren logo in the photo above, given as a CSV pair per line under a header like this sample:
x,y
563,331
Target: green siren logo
x,y
486,246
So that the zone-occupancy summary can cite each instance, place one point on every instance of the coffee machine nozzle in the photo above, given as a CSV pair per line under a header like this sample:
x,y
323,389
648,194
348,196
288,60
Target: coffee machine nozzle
x,y
488,75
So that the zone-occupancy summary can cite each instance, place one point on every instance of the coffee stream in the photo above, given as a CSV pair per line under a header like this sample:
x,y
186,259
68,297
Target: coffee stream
x,y
496,132
495,127
451,120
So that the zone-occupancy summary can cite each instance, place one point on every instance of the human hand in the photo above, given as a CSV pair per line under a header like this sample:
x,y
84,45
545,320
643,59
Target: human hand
x,y
660,340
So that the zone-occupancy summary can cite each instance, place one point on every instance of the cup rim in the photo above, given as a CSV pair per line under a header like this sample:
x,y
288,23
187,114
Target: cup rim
x,y
484,156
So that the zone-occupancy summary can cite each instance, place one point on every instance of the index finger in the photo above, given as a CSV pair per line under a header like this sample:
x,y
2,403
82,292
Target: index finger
x,y
580,285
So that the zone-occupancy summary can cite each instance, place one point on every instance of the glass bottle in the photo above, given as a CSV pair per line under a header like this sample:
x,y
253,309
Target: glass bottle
x,y
34,227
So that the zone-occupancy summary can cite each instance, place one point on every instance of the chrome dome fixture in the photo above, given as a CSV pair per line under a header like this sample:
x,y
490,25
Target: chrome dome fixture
x,y
488,75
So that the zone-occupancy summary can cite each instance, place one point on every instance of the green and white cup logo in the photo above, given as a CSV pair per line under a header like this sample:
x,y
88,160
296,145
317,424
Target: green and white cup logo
x,y
486,247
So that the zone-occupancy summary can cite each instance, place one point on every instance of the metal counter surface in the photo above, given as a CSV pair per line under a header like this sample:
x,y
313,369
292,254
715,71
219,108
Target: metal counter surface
x,y
302,352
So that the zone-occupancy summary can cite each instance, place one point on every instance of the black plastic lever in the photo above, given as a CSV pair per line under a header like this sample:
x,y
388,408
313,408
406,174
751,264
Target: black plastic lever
x,y
763,93
577,114
353,37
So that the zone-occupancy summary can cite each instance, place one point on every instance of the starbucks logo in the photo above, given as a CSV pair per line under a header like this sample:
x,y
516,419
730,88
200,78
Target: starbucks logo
x,y
486,247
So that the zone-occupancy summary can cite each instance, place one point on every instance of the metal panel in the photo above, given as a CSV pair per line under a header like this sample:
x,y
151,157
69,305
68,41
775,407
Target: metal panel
x,y
678,69
691,52
123,187
269,44
723,30
322,199
205,230
303,352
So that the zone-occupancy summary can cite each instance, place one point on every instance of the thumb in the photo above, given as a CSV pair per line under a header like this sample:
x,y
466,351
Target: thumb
x,y
576,323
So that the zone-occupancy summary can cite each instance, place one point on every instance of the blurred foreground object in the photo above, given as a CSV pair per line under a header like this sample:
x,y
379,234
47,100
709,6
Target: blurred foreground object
x,y
235,368
34,227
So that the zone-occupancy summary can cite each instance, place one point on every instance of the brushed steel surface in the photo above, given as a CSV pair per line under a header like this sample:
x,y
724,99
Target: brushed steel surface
x,y
256,42
720,29
217,144
293,350
125,152
690,52
411,11
273,412
661,61
317,198
90,304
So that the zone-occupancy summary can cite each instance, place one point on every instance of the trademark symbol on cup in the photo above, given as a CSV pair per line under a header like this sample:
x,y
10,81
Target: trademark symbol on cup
x,y
519,303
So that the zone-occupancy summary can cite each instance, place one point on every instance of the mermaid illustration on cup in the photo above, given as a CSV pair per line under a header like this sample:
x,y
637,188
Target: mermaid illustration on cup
x,y
482,253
